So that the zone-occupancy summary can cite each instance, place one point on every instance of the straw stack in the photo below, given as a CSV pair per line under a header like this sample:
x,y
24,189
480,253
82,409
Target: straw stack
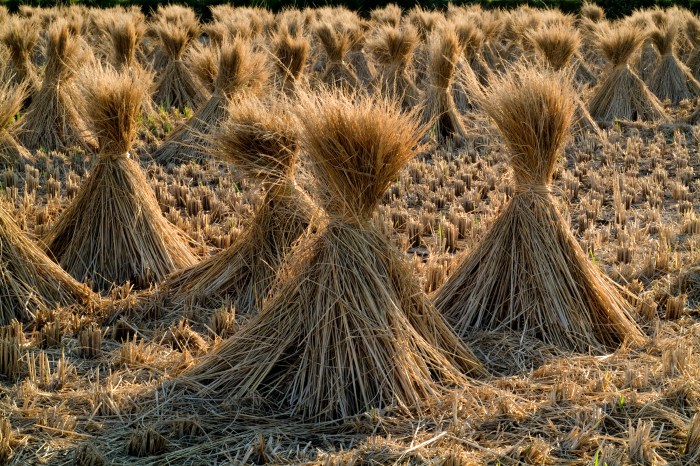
x,y
621,94
346,328
529,274
241,72
671,79
114,231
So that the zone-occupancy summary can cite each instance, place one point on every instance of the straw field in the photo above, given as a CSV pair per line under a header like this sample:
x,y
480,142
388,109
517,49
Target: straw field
x,y
460,237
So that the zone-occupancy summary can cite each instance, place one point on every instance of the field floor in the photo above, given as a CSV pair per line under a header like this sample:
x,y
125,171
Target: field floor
x,y
74,392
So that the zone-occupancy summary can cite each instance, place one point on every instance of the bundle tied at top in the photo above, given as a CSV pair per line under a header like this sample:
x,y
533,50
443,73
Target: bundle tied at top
x,y
355,159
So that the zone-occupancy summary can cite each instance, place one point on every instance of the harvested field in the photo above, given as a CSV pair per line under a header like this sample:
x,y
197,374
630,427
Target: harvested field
x,y
297,191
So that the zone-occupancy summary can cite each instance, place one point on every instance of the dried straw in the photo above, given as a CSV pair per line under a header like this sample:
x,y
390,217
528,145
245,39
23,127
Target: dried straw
x,y
346,328
52,121
114,231
529,273
392,49
241,72
558,45
388,15
262,142
336,41
671,79
290,55
438,106
592,12
622,94
176,86
20,37
12,153
467,85
30,281
125,33
471,39
692,33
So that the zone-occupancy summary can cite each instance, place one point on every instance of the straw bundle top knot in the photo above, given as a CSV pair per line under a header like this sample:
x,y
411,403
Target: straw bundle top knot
x,y
444,54
112,102
20,36
357,146
394,46
619,42
692,30
240,68
557,43
336,41
125,32
176,37
62,53
291,52
533,110
470,37
261,141
664,37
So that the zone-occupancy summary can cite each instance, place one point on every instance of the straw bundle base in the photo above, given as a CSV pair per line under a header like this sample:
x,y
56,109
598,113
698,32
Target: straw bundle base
x,y
530,275
52,121
29,279
13,154
339,74
243,273
189,142
465,87
178,88
334,340
395,83
673,81
623,95
114,231
440,110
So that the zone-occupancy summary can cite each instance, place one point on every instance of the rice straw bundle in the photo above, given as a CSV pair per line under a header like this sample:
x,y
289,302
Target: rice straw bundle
x,y
52,121
558,45
529,273
346,327
241,72
203,61
20,36
11,152
176,86
392,48
113,231
290,55
356,56
438,105
336,41
125,33
671,79
592,12
622,94
467,84
388,15
425,23
692,33
471,39
29,279
262,142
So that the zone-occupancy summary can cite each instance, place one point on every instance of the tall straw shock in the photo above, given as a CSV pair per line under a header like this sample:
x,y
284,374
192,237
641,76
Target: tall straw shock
x,y
241,72
622,94
262,142
114,231
346,327
439,107
529,273
671,79
12,153
392,48
52,121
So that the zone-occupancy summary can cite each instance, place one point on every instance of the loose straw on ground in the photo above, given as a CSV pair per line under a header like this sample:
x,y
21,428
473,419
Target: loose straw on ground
x,y
529,274
346,327
114,231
